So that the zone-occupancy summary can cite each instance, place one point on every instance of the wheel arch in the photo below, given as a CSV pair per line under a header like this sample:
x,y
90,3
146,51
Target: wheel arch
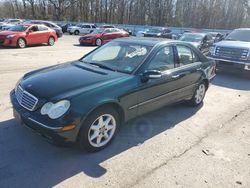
x,y
113,104
21,37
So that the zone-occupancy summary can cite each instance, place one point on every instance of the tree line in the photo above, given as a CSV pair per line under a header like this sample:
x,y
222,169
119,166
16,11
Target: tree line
x,y
225,14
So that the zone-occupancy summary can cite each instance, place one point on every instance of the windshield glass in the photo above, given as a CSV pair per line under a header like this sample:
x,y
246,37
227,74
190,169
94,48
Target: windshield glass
x,y
239,35
18,28
98,31
118,56
191,38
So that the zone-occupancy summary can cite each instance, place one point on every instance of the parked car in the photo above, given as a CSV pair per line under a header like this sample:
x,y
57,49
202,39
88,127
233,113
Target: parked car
x,y
233,53
216,36
13,21
27,34
202,41
106,26
140,33
6,26
158,32
51,25
66,26
117,82
102,36
81,29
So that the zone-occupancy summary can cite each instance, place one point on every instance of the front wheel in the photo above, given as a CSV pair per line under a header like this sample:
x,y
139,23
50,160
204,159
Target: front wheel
x,y
51,41
98,42
21,43
199,95
99,129
76,32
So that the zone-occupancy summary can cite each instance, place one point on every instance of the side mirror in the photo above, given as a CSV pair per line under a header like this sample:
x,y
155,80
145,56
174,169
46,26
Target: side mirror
x,y
151,74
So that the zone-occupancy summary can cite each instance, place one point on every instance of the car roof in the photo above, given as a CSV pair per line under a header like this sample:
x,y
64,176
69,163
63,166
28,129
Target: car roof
x,y
243,29
148,41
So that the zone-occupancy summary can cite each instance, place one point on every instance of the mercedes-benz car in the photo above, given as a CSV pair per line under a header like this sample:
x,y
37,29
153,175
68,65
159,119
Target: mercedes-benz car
x,y
85,101
233,53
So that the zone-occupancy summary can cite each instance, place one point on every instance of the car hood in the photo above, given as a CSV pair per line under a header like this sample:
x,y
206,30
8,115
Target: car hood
x,y
67,80
5,33
236,44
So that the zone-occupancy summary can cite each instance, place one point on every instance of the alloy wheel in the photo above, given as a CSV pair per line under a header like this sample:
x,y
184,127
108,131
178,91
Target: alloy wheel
x,y
200,93
102,130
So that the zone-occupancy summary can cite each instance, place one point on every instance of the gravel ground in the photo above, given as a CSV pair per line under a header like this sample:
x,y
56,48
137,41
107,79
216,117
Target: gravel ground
x,y
176,146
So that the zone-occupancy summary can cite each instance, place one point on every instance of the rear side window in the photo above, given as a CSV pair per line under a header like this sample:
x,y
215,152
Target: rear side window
x,y
186,55
86,26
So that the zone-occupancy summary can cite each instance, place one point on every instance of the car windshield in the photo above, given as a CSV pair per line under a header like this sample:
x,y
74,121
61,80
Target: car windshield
x,y
239,35
98,31
18,28
191,37
118,56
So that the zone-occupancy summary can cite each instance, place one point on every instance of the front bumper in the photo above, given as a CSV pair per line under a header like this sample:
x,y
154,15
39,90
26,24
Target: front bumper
x,y
40,125
8,42
231,65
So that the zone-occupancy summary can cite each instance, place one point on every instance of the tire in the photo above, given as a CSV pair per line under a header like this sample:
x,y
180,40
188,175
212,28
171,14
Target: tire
x,y
21,43
98,42
94,137
199,95
51,41
76,32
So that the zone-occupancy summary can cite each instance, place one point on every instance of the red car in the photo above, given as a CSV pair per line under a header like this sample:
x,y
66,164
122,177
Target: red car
x,y
102,36
27,34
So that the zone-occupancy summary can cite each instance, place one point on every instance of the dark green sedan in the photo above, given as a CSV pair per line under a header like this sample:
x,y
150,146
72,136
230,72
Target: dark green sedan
x,y
85,101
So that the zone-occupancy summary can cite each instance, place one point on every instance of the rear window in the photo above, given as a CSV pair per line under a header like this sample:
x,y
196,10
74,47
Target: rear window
x,y
239,35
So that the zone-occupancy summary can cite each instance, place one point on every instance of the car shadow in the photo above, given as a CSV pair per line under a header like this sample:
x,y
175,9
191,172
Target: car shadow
x,y
24,154
30,46
232,81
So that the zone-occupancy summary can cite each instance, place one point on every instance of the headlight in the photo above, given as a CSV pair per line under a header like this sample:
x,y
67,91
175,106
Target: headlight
x,y
56,110
212,50
10,36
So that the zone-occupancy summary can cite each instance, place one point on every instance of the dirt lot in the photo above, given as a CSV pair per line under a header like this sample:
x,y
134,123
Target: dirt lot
x,y
177,146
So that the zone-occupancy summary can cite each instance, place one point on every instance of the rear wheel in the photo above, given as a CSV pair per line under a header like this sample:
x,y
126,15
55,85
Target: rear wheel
x,y
199,95
99,129
51,41
76,32
98,42
21,43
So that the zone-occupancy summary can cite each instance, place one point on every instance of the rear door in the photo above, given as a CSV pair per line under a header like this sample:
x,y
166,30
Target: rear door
x,y
189,71
44,33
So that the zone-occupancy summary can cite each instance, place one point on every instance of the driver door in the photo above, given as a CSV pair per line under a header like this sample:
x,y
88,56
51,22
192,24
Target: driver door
x,y
156,93
33,35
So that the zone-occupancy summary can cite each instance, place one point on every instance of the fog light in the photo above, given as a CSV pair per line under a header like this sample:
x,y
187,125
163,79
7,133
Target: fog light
x,y
247,67
68,127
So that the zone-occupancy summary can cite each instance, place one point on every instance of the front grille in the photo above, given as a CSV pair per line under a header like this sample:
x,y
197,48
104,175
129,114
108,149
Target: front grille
x,y
232,53
25,99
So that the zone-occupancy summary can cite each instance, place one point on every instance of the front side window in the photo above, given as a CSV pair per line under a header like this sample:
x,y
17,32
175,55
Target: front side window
x,y
163,60
118,56
186,55
42,28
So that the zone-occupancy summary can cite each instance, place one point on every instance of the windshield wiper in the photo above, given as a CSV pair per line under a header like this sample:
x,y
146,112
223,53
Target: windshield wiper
x,y
102,66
